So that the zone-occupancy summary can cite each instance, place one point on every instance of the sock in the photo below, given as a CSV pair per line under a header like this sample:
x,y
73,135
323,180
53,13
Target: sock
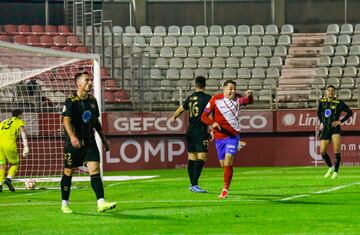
x,y
100,201
64,203
191,166
337,161
199,164
228,173
327,160
12,171
97,186
2,176
65,185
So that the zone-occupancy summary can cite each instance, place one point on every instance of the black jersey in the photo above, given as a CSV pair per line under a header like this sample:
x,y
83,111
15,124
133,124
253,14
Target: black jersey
x,y
195,104
329,111
84,116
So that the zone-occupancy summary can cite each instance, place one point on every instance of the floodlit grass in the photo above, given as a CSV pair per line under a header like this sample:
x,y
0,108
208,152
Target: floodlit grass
x,y
276,200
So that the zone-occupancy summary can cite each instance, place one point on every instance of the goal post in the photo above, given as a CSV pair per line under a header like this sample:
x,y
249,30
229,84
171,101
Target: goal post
x,y
38,80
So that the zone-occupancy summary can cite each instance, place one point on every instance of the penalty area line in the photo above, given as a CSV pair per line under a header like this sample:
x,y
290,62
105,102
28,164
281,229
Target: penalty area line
x,y
319,192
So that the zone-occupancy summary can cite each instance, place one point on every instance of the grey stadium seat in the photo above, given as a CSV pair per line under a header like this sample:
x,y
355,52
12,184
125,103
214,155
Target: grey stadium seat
x,y
146,31
272,72
330,40
184,41
216,30
284,40
170,41
214,73
204,63
160,31
240,41
236,51
324,61
226,41
333,81
232,62
318,83
202,30
254,40
270,83
174,30
218,62
230,30
338,61
275,61
327,50
280,51
335,72
341,50
194,52
244,73
222,52
347,82
344,40
198,41
352,60
344,94
287,29
321,72
187,74
251,51
354,50
333,29
258,73
187,30
265,51
175,63
347,29
161,63
180,52
271,29
268,40
244,30
208,52
350,71
190,63
261,62
212,41
229,73
247,62
257,30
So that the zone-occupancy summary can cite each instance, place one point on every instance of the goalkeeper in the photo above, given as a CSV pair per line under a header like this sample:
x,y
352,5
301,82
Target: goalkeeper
x,y
9,131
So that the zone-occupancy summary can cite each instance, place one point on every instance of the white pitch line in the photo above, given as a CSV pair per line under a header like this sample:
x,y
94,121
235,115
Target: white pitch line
x,y
319,192
137,202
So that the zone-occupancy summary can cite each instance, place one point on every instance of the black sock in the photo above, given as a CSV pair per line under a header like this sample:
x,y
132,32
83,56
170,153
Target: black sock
x,y
97,185
337,161
327,160
199,164
191,166
65,187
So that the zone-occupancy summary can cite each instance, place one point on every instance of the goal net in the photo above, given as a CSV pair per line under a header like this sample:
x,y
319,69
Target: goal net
x,y
38,80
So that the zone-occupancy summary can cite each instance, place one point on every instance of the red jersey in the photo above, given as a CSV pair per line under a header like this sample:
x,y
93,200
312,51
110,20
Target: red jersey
x,y
226,113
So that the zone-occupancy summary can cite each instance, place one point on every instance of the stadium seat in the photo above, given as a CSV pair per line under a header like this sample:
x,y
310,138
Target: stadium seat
x,y
204,63
236,51
350,71
233,62
280,51
275,61
354,50
352,60
315,94
194,52
37,29
180,52
268,40
347,82
160,31
222,52
117,30
254,40
50,29
272,72
64,30
333,81
20,39
198,41
247,62
161,63
218,62
5,38
208,52
215,30
175,63
166,52
333,29
190,63
284,40
287,29
139,41
109,96
265,95
73,41
130,31
155,74
10,28
244,73
341,50
321,72
212,41
23,29
324,61
255,84
230,30
33,40
250,51
172,74
261,62
201,30
241,84
184,41
244,30
229,73
265,51
82,49
201,72
156,41
344,94
258,73
335,72
214,73
174,30
110,84
346,29
226,41
271,30
344,40
327,50
146,31
338,61
240,41
257,30
270,83
318,83
170,41
330,40
187,30
60,40
187,74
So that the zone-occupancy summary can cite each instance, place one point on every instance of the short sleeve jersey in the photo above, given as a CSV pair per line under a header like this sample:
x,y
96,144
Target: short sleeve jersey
x,y
329,111
9,129
84,114
195,104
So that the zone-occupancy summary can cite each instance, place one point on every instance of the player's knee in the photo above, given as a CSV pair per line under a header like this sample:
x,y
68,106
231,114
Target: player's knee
x,y
68,172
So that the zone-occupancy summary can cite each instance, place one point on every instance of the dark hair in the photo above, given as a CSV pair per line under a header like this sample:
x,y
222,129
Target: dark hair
x,y
330,86
16,112
229,81
200,82
78,75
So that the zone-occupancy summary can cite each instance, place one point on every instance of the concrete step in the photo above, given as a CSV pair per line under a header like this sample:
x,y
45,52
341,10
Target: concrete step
x,y
297,72
308,34
295,81
304,51
302,62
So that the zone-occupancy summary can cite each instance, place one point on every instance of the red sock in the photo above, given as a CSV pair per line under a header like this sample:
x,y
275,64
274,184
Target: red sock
x,y
228,173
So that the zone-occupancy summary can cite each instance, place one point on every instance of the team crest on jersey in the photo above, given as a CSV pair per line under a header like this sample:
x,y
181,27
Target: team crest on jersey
x,y
86,116
327,113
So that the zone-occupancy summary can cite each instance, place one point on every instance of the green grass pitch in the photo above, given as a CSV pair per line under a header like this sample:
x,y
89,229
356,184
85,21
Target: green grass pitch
x,y
262,200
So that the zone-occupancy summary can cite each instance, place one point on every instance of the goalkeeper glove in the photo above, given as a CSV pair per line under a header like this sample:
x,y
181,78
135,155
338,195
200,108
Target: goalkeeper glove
x,y
25,151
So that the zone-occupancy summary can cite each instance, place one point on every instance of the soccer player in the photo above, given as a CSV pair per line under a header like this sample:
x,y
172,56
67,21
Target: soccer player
x,y
329,111
197,135
9,131
81,117
225,109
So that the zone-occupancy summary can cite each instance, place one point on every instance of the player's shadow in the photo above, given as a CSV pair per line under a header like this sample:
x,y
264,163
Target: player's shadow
x,y
119,215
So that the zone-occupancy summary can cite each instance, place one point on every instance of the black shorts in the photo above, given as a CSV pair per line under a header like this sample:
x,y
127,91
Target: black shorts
x,y
197,144
326,133
74,157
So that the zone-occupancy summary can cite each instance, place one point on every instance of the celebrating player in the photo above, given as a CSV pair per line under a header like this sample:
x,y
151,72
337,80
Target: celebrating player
x,y
197,134
329,111
81,116
9,131
225,109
